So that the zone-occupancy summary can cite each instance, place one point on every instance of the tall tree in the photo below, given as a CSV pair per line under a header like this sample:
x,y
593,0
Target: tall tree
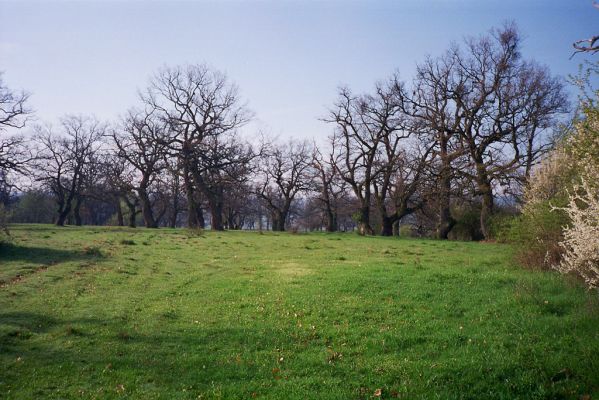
x,y
488,111
201,105
368,131
507,105
436,116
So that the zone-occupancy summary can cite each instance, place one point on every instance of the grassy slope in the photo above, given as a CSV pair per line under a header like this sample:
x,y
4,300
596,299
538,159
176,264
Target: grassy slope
x,y
244,315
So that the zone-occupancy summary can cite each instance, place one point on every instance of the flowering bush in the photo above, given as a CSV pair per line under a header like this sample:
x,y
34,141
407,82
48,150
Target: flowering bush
x,y
581,235
538,231
559,226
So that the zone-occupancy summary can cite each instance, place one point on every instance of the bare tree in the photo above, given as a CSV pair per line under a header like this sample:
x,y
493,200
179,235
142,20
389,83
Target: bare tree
x,y
223,163
141,140
63,158
200,105
489,112
436,117
330,188
590,45
404,180
506,105
284,172
14,113
369,129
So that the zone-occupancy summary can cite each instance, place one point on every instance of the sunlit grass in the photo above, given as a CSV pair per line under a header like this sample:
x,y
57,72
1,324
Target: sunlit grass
x,y
119,313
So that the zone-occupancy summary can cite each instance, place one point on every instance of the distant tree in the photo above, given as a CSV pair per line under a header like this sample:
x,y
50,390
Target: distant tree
x,y
330,190
33,207
141,140
223,165
64,157
14,113
283,173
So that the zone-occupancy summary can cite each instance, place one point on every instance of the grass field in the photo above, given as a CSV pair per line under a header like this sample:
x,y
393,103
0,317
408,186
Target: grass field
x,y
167,314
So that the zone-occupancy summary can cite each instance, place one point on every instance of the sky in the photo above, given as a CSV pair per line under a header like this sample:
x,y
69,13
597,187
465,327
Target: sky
x,y
287,57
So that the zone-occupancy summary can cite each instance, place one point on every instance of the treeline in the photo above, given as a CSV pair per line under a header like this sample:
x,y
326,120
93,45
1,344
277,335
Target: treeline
x,y
438,154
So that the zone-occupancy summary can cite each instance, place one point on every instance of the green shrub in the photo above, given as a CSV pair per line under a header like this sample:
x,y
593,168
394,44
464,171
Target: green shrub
x,y
501,224
467,225
537,234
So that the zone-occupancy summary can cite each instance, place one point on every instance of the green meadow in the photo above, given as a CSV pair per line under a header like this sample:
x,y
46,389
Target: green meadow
x,y
111,313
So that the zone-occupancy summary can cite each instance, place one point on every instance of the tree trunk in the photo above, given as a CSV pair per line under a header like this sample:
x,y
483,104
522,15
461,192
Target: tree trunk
x,y
485,213
396,228
132,214
278,221
63,214
61,219
195,215
119,214
146,208
216,214
331,224
77,211
364,227
200,216
173,218
486,192
60,203
387,226
175,211
446,221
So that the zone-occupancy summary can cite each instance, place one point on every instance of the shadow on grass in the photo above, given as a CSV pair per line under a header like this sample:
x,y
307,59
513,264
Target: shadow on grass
x,y
26,321
21,261
111,353
44,255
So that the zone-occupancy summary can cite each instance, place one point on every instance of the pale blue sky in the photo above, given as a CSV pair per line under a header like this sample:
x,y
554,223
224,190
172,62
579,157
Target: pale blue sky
x,y
288,57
